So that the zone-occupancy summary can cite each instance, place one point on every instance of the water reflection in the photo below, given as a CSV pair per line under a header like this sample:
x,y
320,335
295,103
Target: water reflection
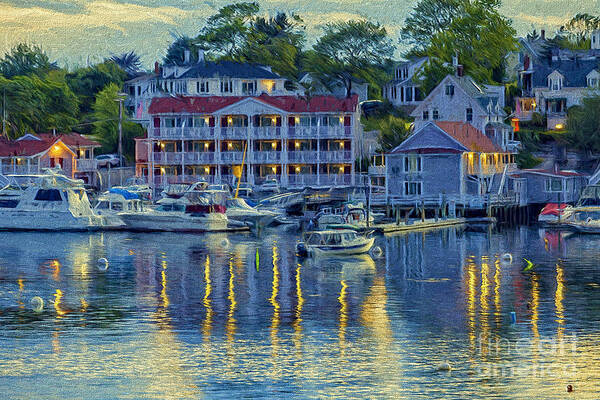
x,y
184,316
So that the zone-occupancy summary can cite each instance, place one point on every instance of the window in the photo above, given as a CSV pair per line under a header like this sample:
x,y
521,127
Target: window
x,y
436,114
449,90
554,185
48,195
9,203
555,83
202,86
226,86
249,87
593,82
413,188
413,164
425,115
469,114
169,122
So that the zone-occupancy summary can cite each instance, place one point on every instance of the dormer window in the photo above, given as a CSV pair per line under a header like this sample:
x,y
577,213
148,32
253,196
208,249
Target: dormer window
x,y
469,114
555,82
449,90
425,115
436,114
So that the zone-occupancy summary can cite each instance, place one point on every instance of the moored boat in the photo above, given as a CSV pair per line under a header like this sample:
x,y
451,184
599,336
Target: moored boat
x,y
343,242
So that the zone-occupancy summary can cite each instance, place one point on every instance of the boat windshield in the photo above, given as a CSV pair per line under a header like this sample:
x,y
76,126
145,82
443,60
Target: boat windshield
x,y
171,207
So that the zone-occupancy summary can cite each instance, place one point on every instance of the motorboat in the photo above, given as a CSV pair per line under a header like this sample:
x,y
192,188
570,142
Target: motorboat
x,y
137,186
178,190
116,200
343,242
239,210
584,219
47,202
349,216
173,215
589,201
269,186
244,190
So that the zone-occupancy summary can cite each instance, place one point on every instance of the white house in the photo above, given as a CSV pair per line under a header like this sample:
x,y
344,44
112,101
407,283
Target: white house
x,y
404,90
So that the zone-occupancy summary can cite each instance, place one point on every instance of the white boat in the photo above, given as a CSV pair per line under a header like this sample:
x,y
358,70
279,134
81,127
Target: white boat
x,y
349,216
138,186
584,219
109,204
173,215
269,186
46,202
182,189
239,210
343,242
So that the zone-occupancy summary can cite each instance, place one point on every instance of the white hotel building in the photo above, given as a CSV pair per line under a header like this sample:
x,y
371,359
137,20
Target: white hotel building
x,y
202,116
299,143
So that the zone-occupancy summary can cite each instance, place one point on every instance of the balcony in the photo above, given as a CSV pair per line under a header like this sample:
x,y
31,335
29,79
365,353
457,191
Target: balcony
x,y
185,133
335,131
377,170
19,169
167,157
232,156
302,180
199,158
335,180
309,156
86,165
303,132
234,133
266,156
336,156
267,132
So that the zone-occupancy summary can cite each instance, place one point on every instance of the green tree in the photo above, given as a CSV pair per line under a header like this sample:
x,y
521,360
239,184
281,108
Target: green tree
x,y
475,31
34,104
276,41
128,62
176,51
106,125
24,59
583,125
392,129
579,28
348,51
226,32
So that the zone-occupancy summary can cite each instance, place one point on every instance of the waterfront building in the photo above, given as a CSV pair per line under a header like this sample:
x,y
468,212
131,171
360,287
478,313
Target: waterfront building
x,y
29,154
541,186
459,98
404,91
299,141
450,159
553,79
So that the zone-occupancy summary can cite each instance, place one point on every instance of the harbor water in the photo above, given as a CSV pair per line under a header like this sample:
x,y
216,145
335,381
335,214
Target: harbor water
x,y
166,315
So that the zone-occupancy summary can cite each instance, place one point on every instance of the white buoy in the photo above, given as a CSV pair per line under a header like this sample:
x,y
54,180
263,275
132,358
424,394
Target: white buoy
x,y
376,251
507,258
37,303
102,264
444,366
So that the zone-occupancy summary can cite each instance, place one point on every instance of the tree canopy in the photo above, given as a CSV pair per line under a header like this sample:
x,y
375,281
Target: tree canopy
x,y
24,59
583,125
350,51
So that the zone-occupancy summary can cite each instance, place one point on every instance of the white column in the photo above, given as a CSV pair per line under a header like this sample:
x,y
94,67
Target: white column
x,y
285,133
217,146
249,153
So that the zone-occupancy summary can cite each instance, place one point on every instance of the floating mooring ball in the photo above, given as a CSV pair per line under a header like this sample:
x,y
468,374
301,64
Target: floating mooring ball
x,y
37,304
102,264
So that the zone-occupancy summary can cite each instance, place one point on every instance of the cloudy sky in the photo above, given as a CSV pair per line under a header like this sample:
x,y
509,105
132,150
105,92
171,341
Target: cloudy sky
x,y
72,31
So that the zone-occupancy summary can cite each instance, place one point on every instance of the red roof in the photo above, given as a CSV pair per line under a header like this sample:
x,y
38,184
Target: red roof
x,y
208,105
27,147
469,136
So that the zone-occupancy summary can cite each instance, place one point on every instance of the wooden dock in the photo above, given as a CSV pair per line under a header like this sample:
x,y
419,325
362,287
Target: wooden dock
x,y
430,223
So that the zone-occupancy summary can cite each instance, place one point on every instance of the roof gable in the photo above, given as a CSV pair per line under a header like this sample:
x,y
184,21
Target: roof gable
x,y
430,137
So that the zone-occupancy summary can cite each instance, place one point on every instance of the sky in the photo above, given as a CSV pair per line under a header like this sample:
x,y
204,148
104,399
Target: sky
x,y
75,32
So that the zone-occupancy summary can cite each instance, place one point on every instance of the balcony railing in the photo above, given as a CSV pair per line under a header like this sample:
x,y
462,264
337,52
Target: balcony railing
x,y
302,180
202,158
334,180
303,156
266,132
86,165
336,156
185,133
266,156
377,170
302,131
232,156
335,131
234,133
19,169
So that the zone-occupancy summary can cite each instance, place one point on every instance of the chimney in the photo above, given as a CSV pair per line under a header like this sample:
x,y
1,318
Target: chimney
x,y
156,67
200,55
460,70
543,34
186,56
455,61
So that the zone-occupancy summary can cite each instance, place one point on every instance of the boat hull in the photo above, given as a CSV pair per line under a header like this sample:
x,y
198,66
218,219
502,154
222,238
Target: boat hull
x,y
332,250
24,220
173,223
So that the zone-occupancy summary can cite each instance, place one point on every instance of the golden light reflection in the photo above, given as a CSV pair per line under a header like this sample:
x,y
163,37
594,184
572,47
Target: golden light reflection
x,y
497,298
483,301
535,302
164,297
297,324
273,299
559,296
471,303
57,303
230,325
55,265
84,305
207,325
343,316
21,289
